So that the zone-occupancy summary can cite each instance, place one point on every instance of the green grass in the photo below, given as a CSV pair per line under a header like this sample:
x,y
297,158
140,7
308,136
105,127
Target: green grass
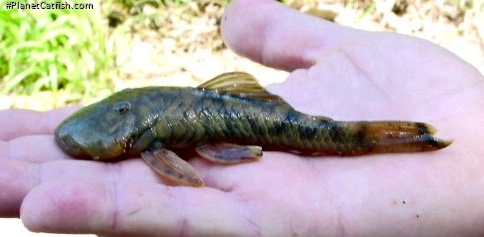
x,y
68,53
52,50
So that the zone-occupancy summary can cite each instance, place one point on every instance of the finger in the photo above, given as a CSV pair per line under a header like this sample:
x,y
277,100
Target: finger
x,y
110,207
21,122
277,36
17,178
35,149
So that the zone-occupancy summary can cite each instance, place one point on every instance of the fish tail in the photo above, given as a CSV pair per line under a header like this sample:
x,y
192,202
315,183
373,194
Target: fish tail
x,y
402,136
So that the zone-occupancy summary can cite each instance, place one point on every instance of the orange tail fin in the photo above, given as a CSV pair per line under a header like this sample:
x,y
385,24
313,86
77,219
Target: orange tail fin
x,y
401,136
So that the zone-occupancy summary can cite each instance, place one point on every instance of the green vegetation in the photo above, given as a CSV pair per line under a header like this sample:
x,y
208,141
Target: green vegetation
x,y
69,53
52,50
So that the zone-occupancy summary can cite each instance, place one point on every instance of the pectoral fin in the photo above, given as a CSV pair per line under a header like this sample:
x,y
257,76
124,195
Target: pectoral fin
x,y
170,166
227,153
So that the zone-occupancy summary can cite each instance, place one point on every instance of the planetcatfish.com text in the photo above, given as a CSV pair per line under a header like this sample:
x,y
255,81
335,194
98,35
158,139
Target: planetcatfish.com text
x,y
47,5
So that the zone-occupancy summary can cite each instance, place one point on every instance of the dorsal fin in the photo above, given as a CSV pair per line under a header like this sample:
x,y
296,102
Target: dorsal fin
x,y
241,84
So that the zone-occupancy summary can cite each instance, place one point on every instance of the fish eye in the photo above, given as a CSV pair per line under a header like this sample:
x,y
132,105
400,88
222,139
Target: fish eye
x,y
122,107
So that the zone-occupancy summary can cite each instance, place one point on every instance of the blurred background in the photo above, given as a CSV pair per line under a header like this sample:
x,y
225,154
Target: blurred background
x,y
52,58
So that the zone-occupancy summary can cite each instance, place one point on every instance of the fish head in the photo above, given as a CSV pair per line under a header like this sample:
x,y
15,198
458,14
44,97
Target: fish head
x,y
106,129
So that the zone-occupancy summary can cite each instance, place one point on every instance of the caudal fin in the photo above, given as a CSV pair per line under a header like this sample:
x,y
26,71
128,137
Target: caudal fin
x,y
401,136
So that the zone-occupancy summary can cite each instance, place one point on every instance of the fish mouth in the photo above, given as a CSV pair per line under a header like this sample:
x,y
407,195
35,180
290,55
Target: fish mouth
x,y
69,145
96,149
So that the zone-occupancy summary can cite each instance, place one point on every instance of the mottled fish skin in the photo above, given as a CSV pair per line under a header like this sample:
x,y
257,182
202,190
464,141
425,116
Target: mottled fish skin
x,y
135,120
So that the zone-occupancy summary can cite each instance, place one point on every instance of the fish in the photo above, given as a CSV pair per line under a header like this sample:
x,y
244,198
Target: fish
x,y
226,120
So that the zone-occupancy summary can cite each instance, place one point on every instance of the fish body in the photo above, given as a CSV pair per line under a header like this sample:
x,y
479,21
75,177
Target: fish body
x,y
222,120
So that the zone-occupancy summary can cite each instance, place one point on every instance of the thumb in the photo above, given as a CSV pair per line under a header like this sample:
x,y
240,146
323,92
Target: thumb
x,y
275,35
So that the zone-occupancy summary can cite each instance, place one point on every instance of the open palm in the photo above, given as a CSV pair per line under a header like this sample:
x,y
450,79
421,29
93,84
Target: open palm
x,y
338,72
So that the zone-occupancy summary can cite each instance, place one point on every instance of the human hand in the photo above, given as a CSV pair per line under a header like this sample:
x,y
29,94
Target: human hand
x,y
342,73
